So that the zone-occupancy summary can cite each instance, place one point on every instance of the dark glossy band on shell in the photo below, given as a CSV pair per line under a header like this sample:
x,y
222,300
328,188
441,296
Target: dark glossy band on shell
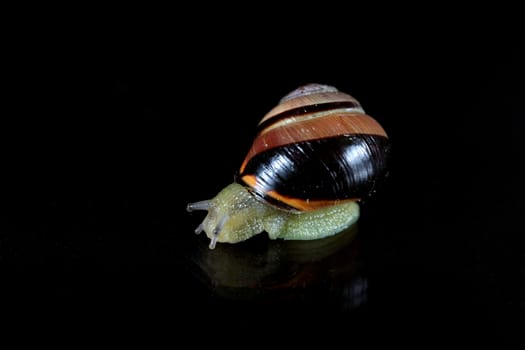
x,y
316,148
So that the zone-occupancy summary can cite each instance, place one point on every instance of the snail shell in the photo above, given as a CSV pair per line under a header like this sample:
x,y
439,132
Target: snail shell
x,y
316,154
316,148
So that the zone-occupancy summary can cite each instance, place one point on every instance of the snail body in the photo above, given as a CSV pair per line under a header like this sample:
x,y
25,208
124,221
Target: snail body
x,y
315,156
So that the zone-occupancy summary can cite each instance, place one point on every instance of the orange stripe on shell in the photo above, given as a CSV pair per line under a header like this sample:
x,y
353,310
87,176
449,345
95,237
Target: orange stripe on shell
x,y
297,203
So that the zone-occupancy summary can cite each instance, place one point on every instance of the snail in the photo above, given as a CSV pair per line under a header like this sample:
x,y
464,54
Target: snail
x,y
315,157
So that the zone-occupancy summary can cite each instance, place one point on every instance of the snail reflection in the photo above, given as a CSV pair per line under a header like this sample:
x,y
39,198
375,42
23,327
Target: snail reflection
x,y
315,156
327,270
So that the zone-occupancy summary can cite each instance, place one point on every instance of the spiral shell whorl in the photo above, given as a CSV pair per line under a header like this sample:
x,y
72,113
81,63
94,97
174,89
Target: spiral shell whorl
x,y
308,89
316,148
313,97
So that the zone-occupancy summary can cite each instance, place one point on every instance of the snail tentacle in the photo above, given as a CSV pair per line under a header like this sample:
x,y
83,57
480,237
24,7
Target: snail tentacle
x,y
201,205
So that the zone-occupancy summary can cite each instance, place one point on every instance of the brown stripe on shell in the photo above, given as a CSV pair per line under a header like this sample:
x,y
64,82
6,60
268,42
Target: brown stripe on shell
x,y
308,112
313,127
302,101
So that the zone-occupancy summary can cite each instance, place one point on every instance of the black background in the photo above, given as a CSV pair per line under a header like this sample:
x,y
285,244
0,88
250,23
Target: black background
x,y
114,122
